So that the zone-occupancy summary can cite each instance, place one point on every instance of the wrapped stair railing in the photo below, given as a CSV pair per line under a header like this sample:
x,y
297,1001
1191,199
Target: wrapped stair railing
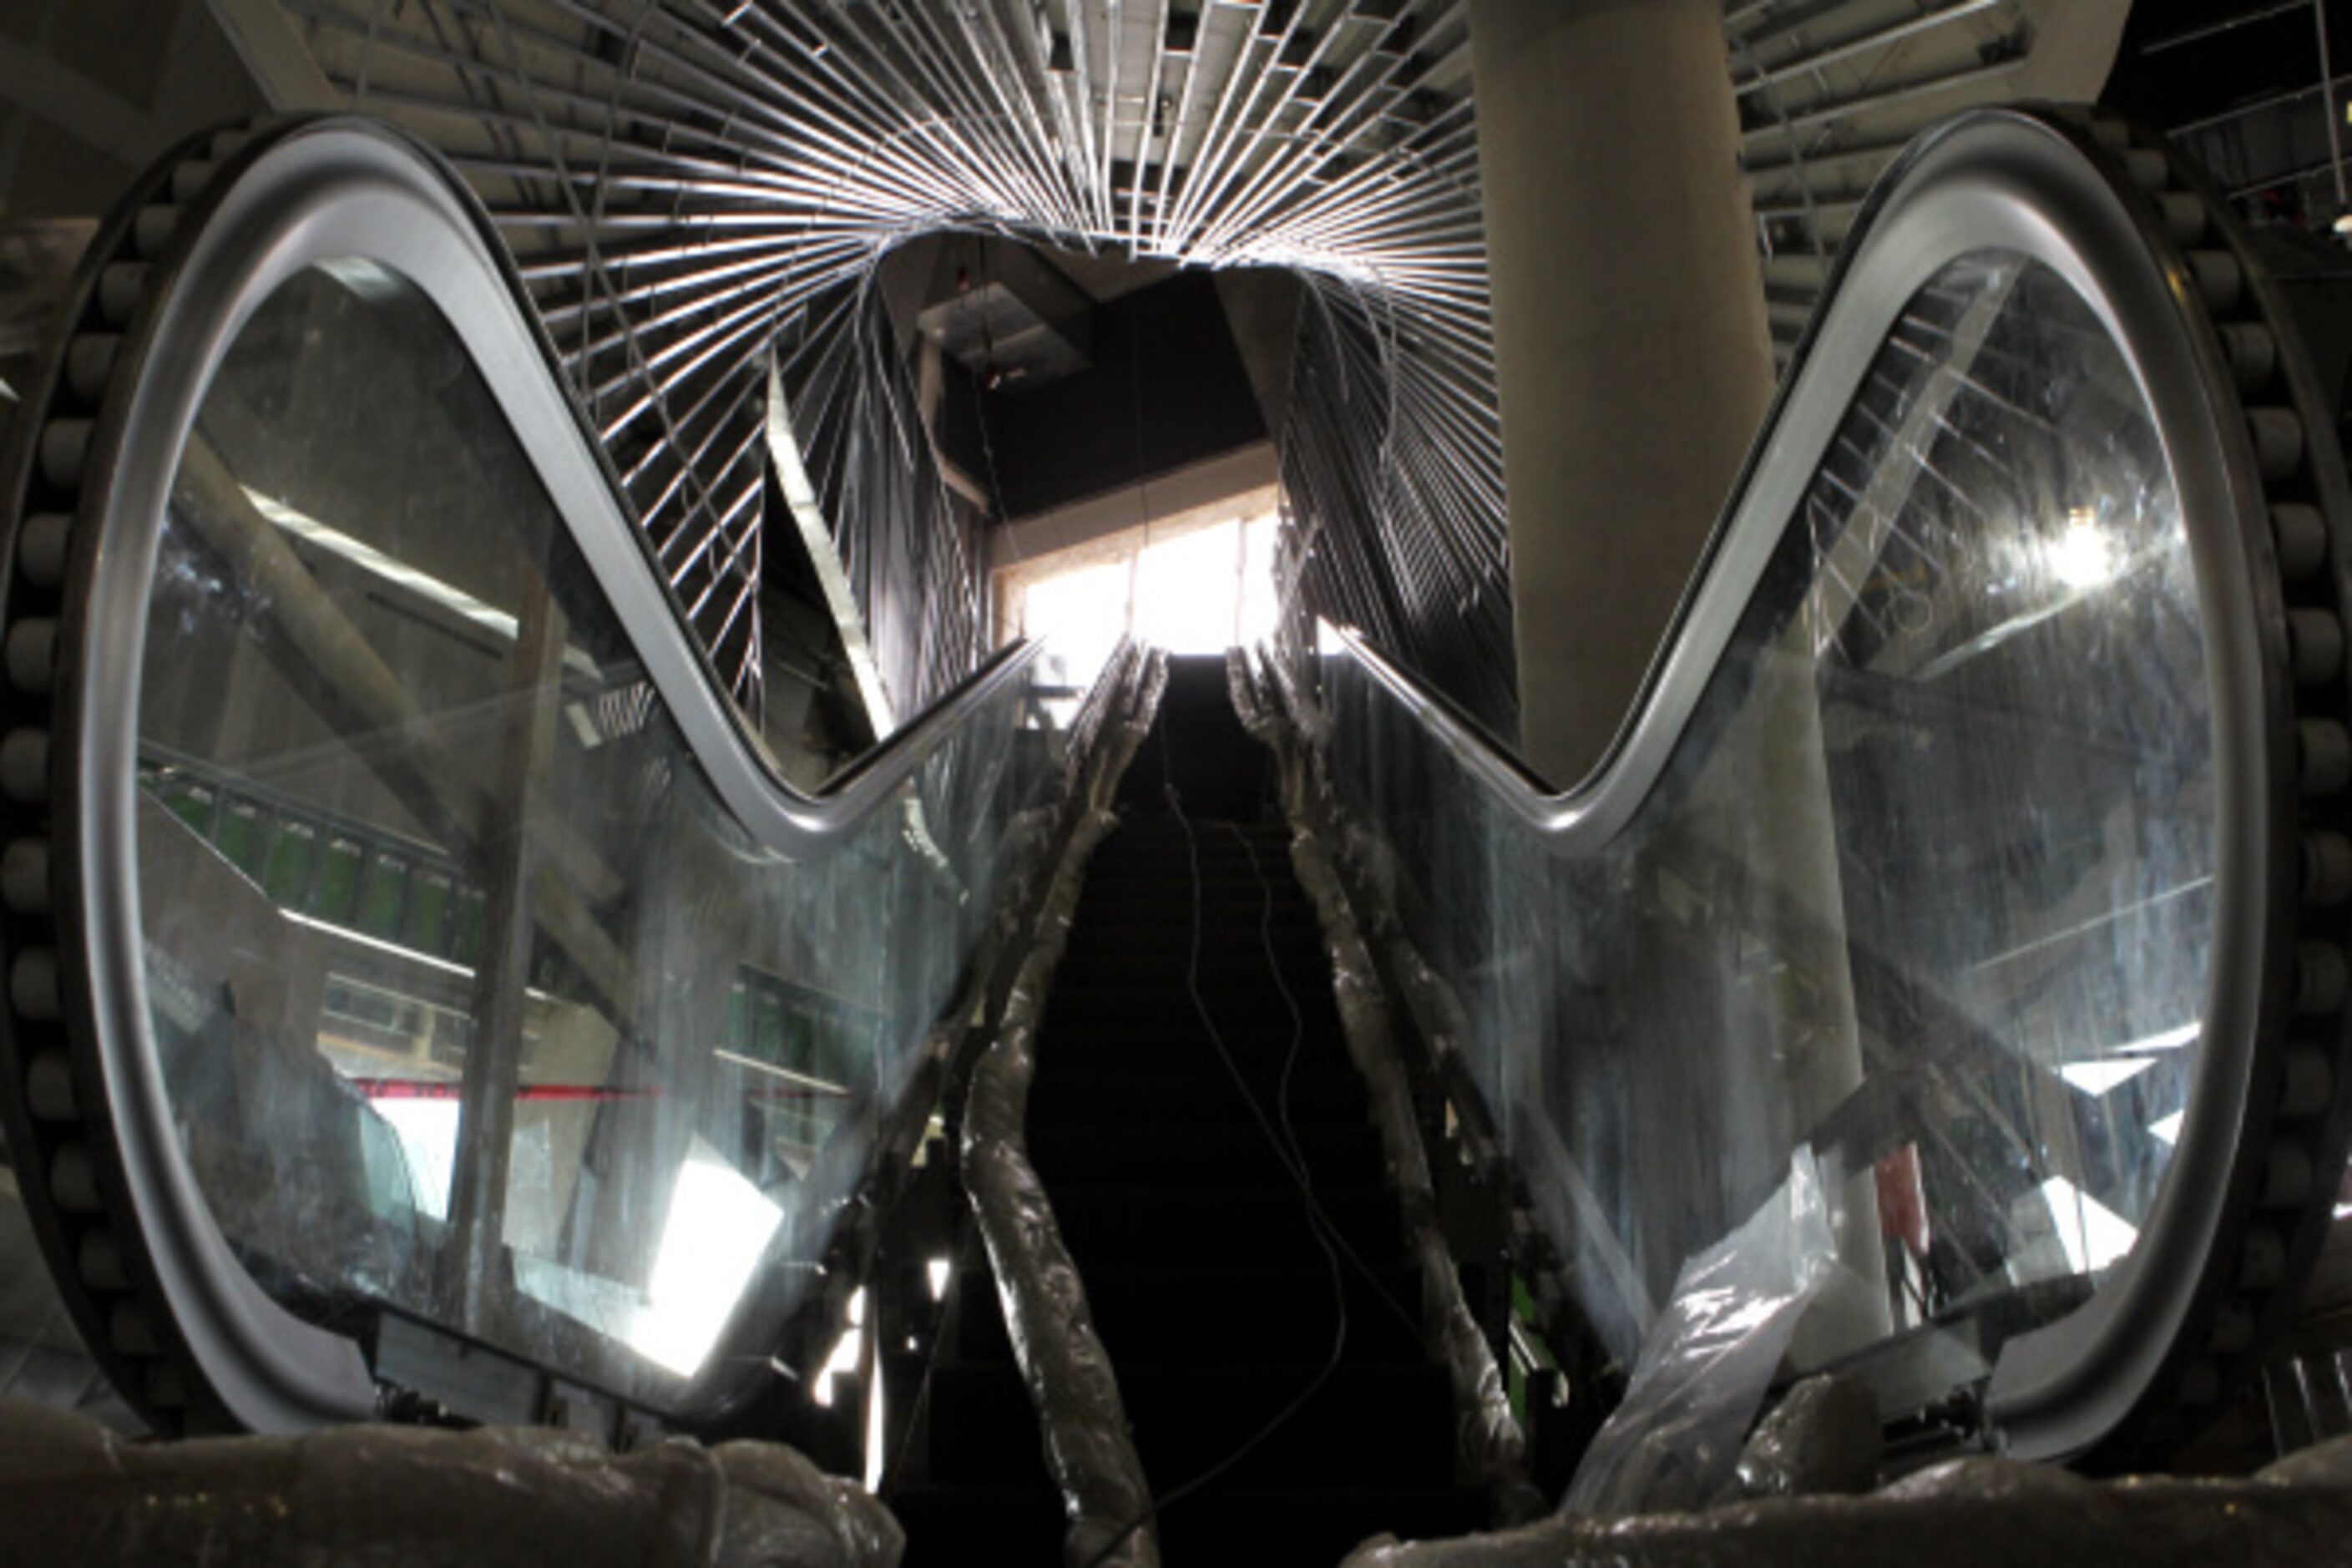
x,y
428,997
1969,889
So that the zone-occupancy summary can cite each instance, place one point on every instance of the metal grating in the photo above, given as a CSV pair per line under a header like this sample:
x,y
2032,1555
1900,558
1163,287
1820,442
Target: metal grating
x,y
689,182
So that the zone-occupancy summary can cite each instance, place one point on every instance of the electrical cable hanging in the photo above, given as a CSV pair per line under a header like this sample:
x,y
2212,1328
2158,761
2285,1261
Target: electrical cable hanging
x,y
1292,1159
685,182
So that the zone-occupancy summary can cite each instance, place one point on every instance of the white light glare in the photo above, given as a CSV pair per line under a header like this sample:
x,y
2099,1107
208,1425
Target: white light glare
x,y
719,1224
427,1130
2168,1040
940,1270
874,1436
845,1351
2093,1235
2084,557
843,1361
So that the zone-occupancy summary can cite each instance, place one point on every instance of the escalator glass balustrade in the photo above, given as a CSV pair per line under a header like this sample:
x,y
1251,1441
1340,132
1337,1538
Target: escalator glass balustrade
x,y
623,1034
406,934
447,979
1954,847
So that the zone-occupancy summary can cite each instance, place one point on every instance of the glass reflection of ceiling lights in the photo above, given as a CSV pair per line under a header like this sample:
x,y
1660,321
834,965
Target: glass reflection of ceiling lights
x,y
2083,554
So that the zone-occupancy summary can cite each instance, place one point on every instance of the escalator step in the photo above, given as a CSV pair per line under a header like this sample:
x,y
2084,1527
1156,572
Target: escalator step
x,y
1281,1312
1297,944
1177,1041
953,1526
1376,1423
1069,1153
1106,1001
1203,1269
983,1429
1144,1226
1320,1093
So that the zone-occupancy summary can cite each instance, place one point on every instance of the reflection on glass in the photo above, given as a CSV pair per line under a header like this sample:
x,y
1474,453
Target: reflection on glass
x,y
473,1002
1927,884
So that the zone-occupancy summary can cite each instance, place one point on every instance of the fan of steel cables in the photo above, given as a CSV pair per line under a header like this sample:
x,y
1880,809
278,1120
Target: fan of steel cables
x,y
693,185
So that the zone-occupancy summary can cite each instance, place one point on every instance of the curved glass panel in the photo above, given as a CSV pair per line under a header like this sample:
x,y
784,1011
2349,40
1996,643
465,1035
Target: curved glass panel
x,y
472,1001
1926,886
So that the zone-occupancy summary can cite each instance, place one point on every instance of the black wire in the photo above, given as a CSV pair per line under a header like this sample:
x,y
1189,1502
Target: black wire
x,y
1292,1158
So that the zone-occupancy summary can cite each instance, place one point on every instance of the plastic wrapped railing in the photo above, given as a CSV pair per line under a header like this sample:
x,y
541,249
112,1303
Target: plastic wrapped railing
x,y
1973,867
425,990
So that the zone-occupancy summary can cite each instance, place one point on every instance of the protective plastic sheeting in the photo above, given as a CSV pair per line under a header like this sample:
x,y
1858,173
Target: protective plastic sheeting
x,y
1068,1374
1968,1513
1709,1358
1488,1440
77,1493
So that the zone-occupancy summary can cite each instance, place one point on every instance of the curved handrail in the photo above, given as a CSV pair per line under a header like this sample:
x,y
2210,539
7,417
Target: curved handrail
x,y
2112,215
313,190
1891,249
168,286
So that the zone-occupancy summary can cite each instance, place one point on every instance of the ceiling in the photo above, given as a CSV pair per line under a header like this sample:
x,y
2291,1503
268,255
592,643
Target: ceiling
x,y
690,184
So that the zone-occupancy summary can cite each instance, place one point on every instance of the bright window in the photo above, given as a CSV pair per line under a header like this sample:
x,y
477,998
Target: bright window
x,y
1200,589
1081,614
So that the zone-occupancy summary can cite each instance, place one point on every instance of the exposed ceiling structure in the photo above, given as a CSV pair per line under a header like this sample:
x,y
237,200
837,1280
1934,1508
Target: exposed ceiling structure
x,y
2255,90
689,182
1830,91
696,187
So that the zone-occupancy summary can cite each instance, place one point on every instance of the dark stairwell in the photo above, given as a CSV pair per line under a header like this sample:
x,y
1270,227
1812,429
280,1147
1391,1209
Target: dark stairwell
x,y
1210,1288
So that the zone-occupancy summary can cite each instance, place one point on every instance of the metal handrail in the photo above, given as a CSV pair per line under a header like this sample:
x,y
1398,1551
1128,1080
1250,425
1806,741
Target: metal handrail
x,y
2108,211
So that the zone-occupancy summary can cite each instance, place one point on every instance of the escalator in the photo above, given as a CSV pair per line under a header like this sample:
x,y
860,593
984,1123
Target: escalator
x,y
1968,889
427,1000
1168,1133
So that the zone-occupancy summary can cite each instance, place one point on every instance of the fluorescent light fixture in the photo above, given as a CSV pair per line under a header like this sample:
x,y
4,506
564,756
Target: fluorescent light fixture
x,y
424,584
2093,1235
2095,1079
719,1226
736,1059
377,944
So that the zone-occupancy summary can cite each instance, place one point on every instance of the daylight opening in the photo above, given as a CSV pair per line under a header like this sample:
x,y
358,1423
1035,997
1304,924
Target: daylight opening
x,y
1190,587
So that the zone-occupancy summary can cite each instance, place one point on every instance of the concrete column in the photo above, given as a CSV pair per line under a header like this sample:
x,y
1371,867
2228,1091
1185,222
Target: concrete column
x,y
1635,358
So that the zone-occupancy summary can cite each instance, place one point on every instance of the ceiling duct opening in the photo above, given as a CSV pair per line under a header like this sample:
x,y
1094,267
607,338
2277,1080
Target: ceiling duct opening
x,y
1008,316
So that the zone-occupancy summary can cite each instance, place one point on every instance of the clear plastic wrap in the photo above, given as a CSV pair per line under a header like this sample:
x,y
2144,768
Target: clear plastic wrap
x,y
1088,1449
1706,1363
1488,1440
1823,1438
